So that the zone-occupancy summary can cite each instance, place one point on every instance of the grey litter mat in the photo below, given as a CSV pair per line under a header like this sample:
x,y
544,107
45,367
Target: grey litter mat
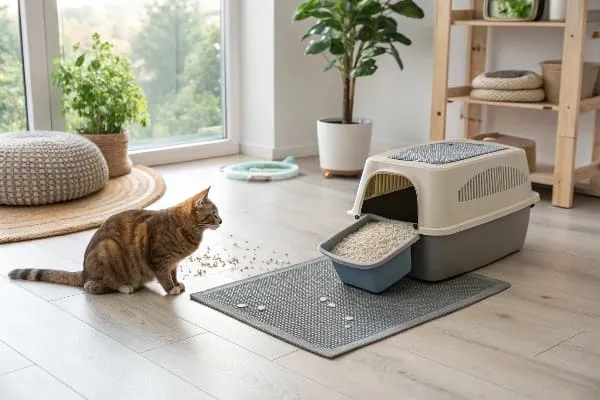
x,y
290,304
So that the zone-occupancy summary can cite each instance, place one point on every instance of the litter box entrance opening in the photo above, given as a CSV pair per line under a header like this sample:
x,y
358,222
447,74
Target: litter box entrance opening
x,y
391,196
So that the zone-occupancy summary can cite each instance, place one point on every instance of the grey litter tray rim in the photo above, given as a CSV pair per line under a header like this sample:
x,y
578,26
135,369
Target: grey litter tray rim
x,y
498,287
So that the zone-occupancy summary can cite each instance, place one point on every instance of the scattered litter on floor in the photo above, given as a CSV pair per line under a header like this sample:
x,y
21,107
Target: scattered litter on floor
x,y
323,299
331,305
234,255
349,318
261,308
241,305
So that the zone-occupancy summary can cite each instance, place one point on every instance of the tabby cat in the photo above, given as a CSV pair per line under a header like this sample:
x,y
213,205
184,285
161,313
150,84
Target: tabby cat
x,y
133,247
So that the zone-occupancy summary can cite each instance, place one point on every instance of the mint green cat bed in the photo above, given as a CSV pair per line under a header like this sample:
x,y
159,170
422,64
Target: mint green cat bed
x,y
262,170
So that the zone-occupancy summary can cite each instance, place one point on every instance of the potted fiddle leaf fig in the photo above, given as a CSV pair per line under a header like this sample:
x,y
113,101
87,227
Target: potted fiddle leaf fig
x,y
100,97
351,34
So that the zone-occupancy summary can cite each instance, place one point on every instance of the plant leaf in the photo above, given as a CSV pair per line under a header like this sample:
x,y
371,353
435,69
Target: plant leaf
x,y
407,8
317,29
394,52
364,68
337,47
398,37
80,60
318,46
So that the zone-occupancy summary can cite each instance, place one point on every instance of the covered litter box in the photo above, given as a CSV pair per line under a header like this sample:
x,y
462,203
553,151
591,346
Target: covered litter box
x,y
374,276
471,202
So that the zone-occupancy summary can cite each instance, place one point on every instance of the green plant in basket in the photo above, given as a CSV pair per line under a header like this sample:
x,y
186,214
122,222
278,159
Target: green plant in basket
x,y
351,34
100,94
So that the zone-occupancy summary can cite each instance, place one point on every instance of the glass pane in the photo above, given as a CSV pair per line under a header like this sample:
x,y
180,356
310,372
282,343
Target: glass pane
x,y
13,114
175,49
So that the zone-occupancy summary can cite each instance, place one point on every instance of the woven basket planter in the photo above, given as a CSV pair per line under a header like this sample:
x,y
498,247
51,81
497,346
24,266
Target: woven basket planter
x,y
114,149
551,71
508,80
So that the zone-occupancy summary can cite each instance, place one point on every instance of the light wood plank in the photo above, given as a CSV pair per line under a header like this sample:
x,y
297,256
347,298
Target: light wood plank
x,y
39,254
510,24
90,362
504,329
568,113
542,106
527,377
10,360
441,45
382,372
227,371
128,319
33,383
580,354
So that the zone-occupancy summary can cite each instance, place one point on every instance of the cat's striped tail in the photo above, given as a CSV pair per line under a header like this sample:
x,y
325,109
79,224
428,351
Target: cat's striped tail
x,y
48,275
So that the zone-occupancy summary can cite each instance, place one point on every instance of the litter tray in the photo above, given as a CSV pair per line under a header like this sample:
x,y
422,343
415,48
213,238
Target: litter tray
x,y
373,277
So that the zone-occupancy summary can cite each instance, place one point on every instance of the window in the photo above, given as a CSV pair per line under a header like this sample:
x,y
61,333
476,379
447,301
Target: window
x,y
179,51
13,116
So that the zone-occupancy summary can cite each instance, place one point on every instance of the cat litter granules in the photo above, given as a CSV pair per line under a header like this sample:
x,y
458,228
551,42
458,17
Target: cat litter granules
x,y
373,240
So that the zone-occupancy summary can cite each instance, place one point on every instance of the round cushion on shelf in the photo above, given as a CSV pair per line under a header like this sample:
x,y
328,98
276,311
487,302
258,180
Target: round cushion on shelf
x,y
508,80
509,96
38,168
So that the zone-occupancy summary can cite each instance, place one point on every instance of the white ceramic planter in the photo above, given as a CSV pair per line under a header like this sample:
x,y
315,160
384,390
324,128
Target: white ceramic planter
x,y
343,148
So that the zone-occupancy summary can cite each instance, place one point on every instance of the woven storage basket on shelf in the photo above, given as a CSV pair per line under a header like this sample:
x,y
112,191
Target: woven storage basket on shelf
x,y
551,71
508,80
510,96
114,149
526,144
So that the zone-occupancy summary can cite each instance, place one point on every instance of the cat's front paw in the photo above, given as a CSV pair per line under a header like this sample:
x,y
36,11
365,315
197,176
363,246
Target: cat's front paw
x,y
181,287
177,289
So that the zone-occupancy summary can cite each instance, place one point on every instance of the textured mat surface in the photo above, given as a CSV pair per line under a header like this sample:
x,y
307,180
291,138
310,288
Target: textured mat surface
x,y
308,306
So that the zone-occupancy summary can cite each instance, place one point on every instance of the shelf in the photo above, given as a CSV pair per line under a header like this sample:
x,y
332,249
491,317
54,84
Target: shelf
x,y
464,19
511,24
544,174
531,106
586,105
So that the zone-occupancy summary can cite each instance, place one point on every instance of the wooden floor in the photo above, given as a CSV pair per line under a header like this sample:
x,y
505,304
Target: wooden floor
x,y
538,340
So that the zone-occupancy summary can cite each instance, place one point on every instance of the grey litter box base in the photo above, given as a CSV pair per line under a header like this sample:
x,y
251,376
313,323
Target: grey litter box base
x,y
435,258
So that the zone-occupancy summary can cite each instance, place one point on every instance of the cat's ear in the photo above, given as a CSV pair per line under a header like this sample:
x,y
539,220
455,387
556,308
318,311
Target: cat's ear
x,y
200,198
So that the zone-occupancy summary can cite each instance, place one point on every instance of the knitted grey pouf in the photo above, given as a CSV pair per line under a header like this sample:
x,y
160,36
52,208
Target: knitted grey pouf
x,y
38,168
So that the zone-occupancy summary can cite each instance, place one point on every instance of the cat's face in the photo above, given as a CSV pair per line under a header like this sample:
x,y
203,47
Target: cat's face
x,y
205,212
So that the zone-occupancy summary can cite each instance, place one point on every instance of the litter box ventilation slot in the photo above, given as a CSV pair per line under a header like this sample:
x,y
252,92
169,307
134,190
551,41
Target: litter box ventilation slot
x,y
490,182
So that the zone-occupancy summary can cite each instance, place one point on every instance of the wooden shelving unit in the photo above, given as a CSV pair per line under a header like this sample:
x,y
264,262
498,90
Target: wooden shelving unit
x,y
563,176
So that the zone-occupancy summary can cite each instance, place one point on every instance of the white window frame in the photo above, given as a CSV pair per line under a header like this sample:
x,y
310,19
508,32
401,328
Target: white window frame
x,y
40,35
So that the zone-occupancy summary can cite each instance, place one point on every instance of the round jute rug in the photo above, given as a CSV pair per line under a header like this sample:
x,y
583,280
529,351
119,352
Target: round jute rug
x,y
138,189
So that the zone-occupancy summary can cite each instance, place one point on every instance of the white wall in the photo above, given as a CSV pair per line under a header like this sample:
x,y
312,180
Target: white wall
x,y
284,92
303,92
257,103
